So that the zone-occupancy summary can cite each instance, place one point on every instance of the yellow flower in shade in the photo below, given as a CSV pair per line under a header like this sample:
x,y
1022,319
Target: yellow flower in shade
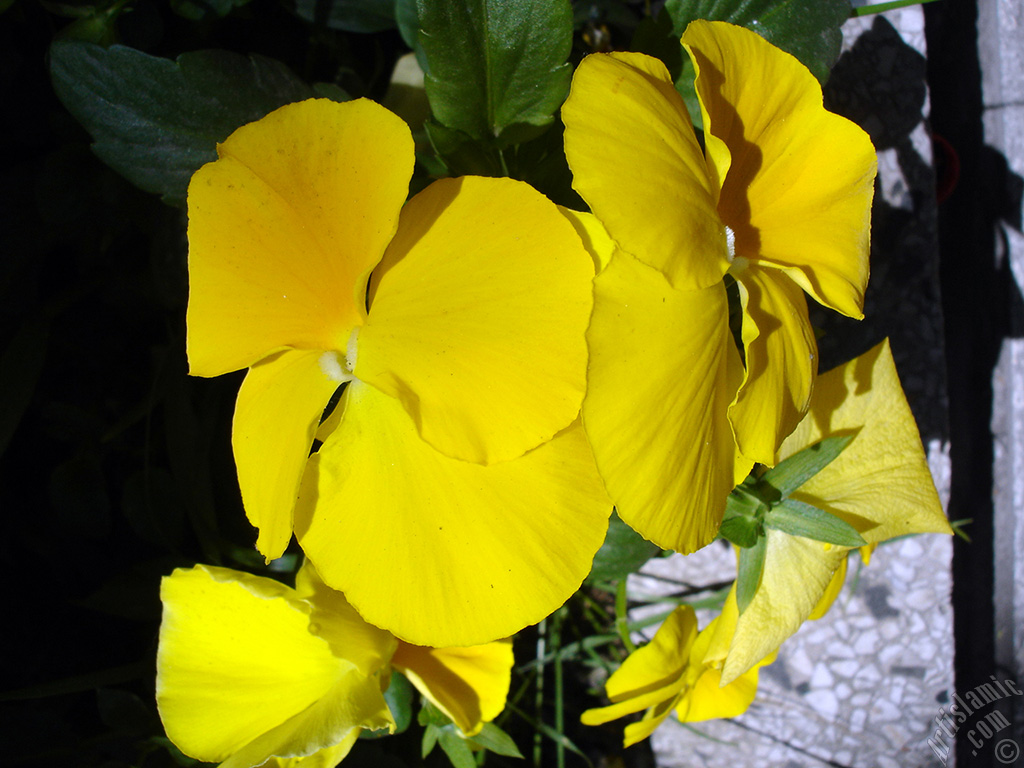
x,y
880,484
780,200
670,673
454,479
252,672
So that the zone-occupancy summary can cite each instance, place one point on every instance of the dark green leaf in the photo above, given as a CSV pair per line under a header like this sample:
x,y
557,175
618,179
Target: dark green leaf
x,y
399,696
496,740
492,64
808,30
458,751
408,20
197,10
156,121
748,576
799,519
623,552
349,15
431,715
124,711
788,475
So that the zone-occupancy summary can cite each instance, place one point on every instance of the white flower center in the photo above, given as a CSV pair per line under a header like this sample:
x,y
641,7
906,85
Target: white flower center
x,y
338,368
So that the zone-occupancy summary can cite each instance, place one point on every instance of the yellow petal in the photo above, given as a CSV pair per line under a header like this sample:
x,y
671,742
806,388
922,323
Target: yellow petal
x,y
469,685
797,572
325,758
798,190
663,370
279,406
239,674
333,618
285,226
880,484
781,362
708,700
659,662
410,535
478,318
636,162
595,237
831,592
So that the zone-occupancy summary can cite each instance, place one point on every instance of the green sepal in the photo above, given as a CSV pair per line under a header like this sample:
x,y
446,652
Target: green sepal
x,y
748,574
492,738
798,518
786,476
399,697
348,15
458,751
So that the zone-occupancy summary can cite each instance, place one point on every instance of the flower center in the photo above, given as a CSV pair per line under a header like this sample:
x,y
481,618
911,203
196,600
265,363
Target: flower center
x,y
338,368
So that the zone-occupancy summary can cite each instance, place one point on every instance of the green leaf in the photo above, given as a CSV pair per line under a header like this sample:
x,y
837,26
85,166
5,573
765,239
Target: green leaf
x,y
741,530
399,697
788,475
493,64
748,576
348,15
496,740
623,552
430,734
800,519
458,751
197,10
156,121
808,30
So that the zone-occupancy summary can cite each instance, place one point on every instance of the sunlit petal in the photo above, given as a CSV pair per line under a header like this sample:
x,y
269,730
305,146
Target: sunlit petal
x,y
279,406
831,592
636,162
333,618
781,362
285,226
799,187
410,535
239,674
663,370
595,237
797,572
880,484
478,318
469,685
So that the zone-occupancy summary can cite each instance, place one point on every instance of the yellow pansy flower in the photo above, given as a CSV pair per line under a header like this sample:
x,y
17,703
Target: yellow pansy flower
x,y
880,484
252,672
670,673
780,199
454,480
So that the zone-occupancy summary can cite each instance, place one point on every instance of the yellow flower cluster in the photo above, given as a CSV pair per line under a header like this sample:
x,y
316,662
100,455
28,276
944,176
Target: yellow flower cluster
x,y
504,372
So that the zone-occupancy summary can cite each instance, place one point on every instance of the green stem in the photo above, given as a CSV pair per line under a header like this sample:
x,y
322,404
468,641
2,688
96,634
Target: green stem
x,y
538,701
867,10
621,620
556,641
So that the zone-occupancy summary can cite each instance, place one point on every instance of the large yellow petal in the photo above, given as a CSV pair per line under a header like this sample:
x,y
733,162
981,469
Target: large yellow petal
x,y
279,406
285,226
709,700
781,362
663,370
880,484
478,318
325,758
635,160
470,685
797,572
799,186
239,673
444,552
333,618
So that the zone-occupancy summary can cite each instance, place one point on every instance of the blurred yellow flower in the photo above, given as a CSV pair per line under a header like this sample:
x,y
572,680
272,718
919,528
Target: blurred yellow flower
x,y
252,672
880,484
454,479
780,199
670,673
